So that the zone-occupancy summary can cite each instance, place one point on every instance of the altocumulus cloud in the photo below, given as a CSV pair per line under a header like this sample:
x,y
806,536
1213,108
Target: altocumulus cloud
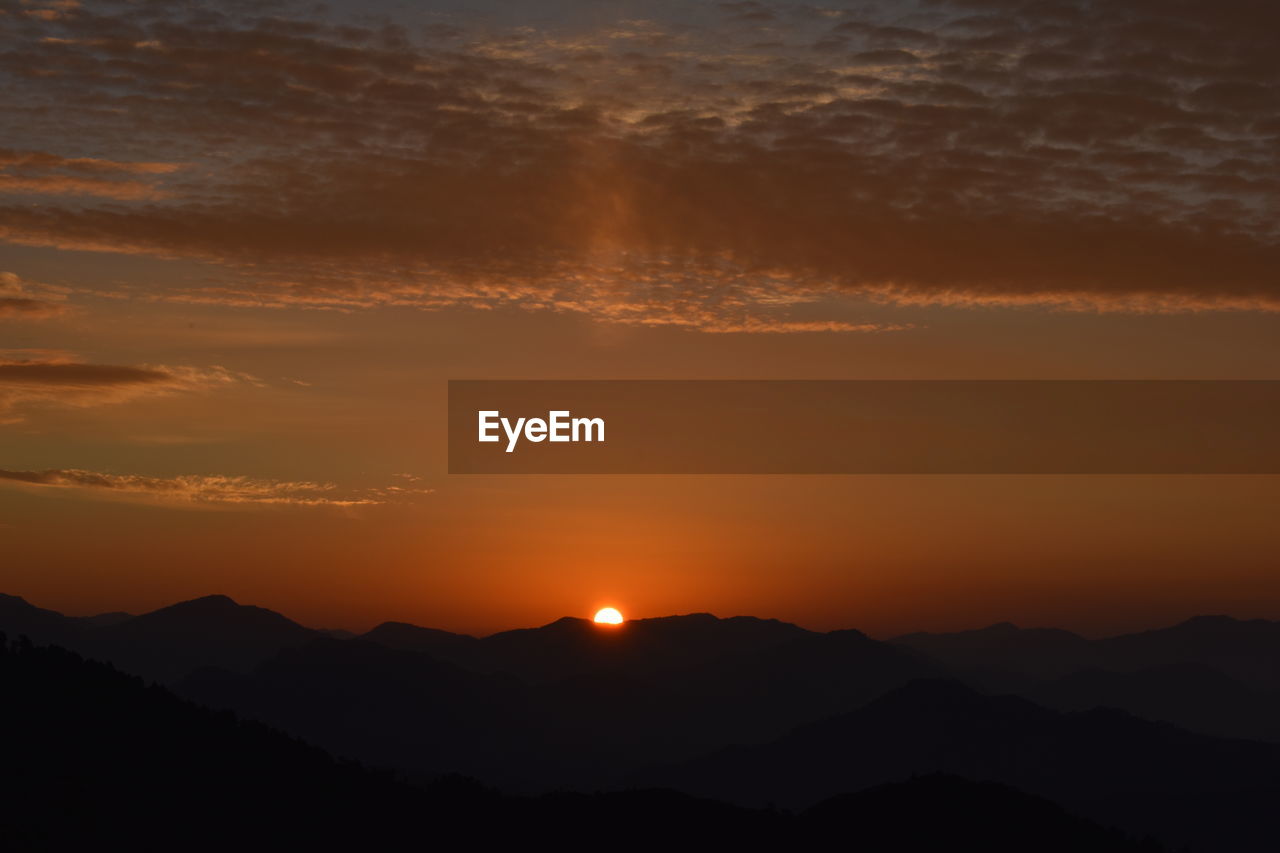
x,y
707,173
210,490
60,381
42,173
25,300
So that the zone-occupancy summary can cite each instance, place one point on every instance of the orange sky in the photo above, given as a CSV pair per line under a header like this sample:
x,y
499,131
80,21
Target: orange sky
x,y
241,256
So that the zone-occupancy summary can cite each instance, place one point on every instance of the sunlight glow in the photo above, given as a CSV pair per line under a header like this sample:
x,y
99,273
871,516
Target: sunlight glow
x,y
608,616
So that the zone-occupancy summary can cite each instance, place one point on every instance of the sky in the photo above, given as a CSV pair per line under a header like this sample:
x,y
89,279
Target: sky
x,y
243,246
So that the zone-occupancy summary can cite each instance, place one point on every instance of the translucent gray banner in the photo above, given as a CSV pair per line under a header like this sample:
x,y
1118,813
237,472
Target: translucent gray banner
x,y
863,427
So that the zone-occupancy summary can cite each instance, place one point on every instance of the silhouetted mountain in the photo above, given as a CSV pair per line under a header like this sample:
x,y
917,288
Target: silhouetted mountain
x,y
573,704
1149,778
387,707
411,638
934,812
1194,696
995,653
103,620
570,647
608,712
18,617
1247,650
95,759
164,644
1211,674
168,643
756,695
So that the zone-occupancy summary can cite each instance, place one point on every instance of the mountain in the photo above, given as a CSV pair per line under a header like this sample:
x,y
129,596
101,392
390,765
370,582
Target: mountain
x,y
757,694
1194,696
20,618
103,620
1005,655
1247,650
388,707
1211,674
727,707
1213,794
569,704
410,710
168,643
936,811
164,644
571,647
95,758
411,638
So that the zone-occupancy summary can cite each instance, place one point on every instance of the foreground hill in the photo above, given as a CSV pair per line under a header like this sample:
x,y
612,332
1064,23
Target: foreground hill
x,y
96,759
1213,794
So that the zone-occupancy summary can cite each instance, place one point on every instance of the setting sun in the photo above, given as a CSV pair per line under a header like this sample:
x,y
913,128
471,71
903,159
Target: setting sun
x,y
608,616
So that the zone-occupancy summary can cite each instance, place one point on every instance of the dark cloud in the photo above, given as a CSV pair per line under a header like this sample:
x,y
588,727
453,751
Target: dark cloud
x,y
59,381
1105,156
78,375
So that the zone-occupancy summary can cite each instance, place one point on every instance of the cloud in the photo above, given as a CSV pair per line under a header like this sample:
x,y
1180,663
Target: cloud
x,y
1113,156
198,489
44,173
58,381
21,306
44,160
22,300
81,376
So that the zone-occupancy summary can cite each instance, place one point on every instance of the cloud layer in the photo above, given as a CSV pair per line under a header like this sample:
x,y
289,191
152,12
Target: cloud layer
x,y
710,173
60,381
23,300
209,489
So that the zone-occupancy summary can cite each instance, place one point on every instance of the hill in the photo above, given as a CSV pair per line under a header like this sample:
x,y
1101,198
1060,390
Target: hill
x,y
1148,778
95,758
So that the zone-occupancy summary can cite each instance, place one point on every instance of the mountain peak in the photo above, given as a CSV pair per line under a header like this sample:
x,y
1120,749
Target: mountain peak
x,y
566,621
198,614
1209,620
699,617
410,637
206,602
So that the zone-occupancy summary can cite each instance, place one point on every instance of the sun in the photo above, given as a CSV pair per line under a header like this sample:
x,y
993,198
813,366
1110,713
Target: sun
x,y
607,616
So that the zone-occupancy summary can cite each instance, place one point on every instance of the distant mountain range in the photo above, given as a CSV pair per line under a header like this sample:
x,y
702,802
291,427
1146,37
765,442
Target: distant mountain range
x,y
749,710
1245,650
96,759
1150,778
